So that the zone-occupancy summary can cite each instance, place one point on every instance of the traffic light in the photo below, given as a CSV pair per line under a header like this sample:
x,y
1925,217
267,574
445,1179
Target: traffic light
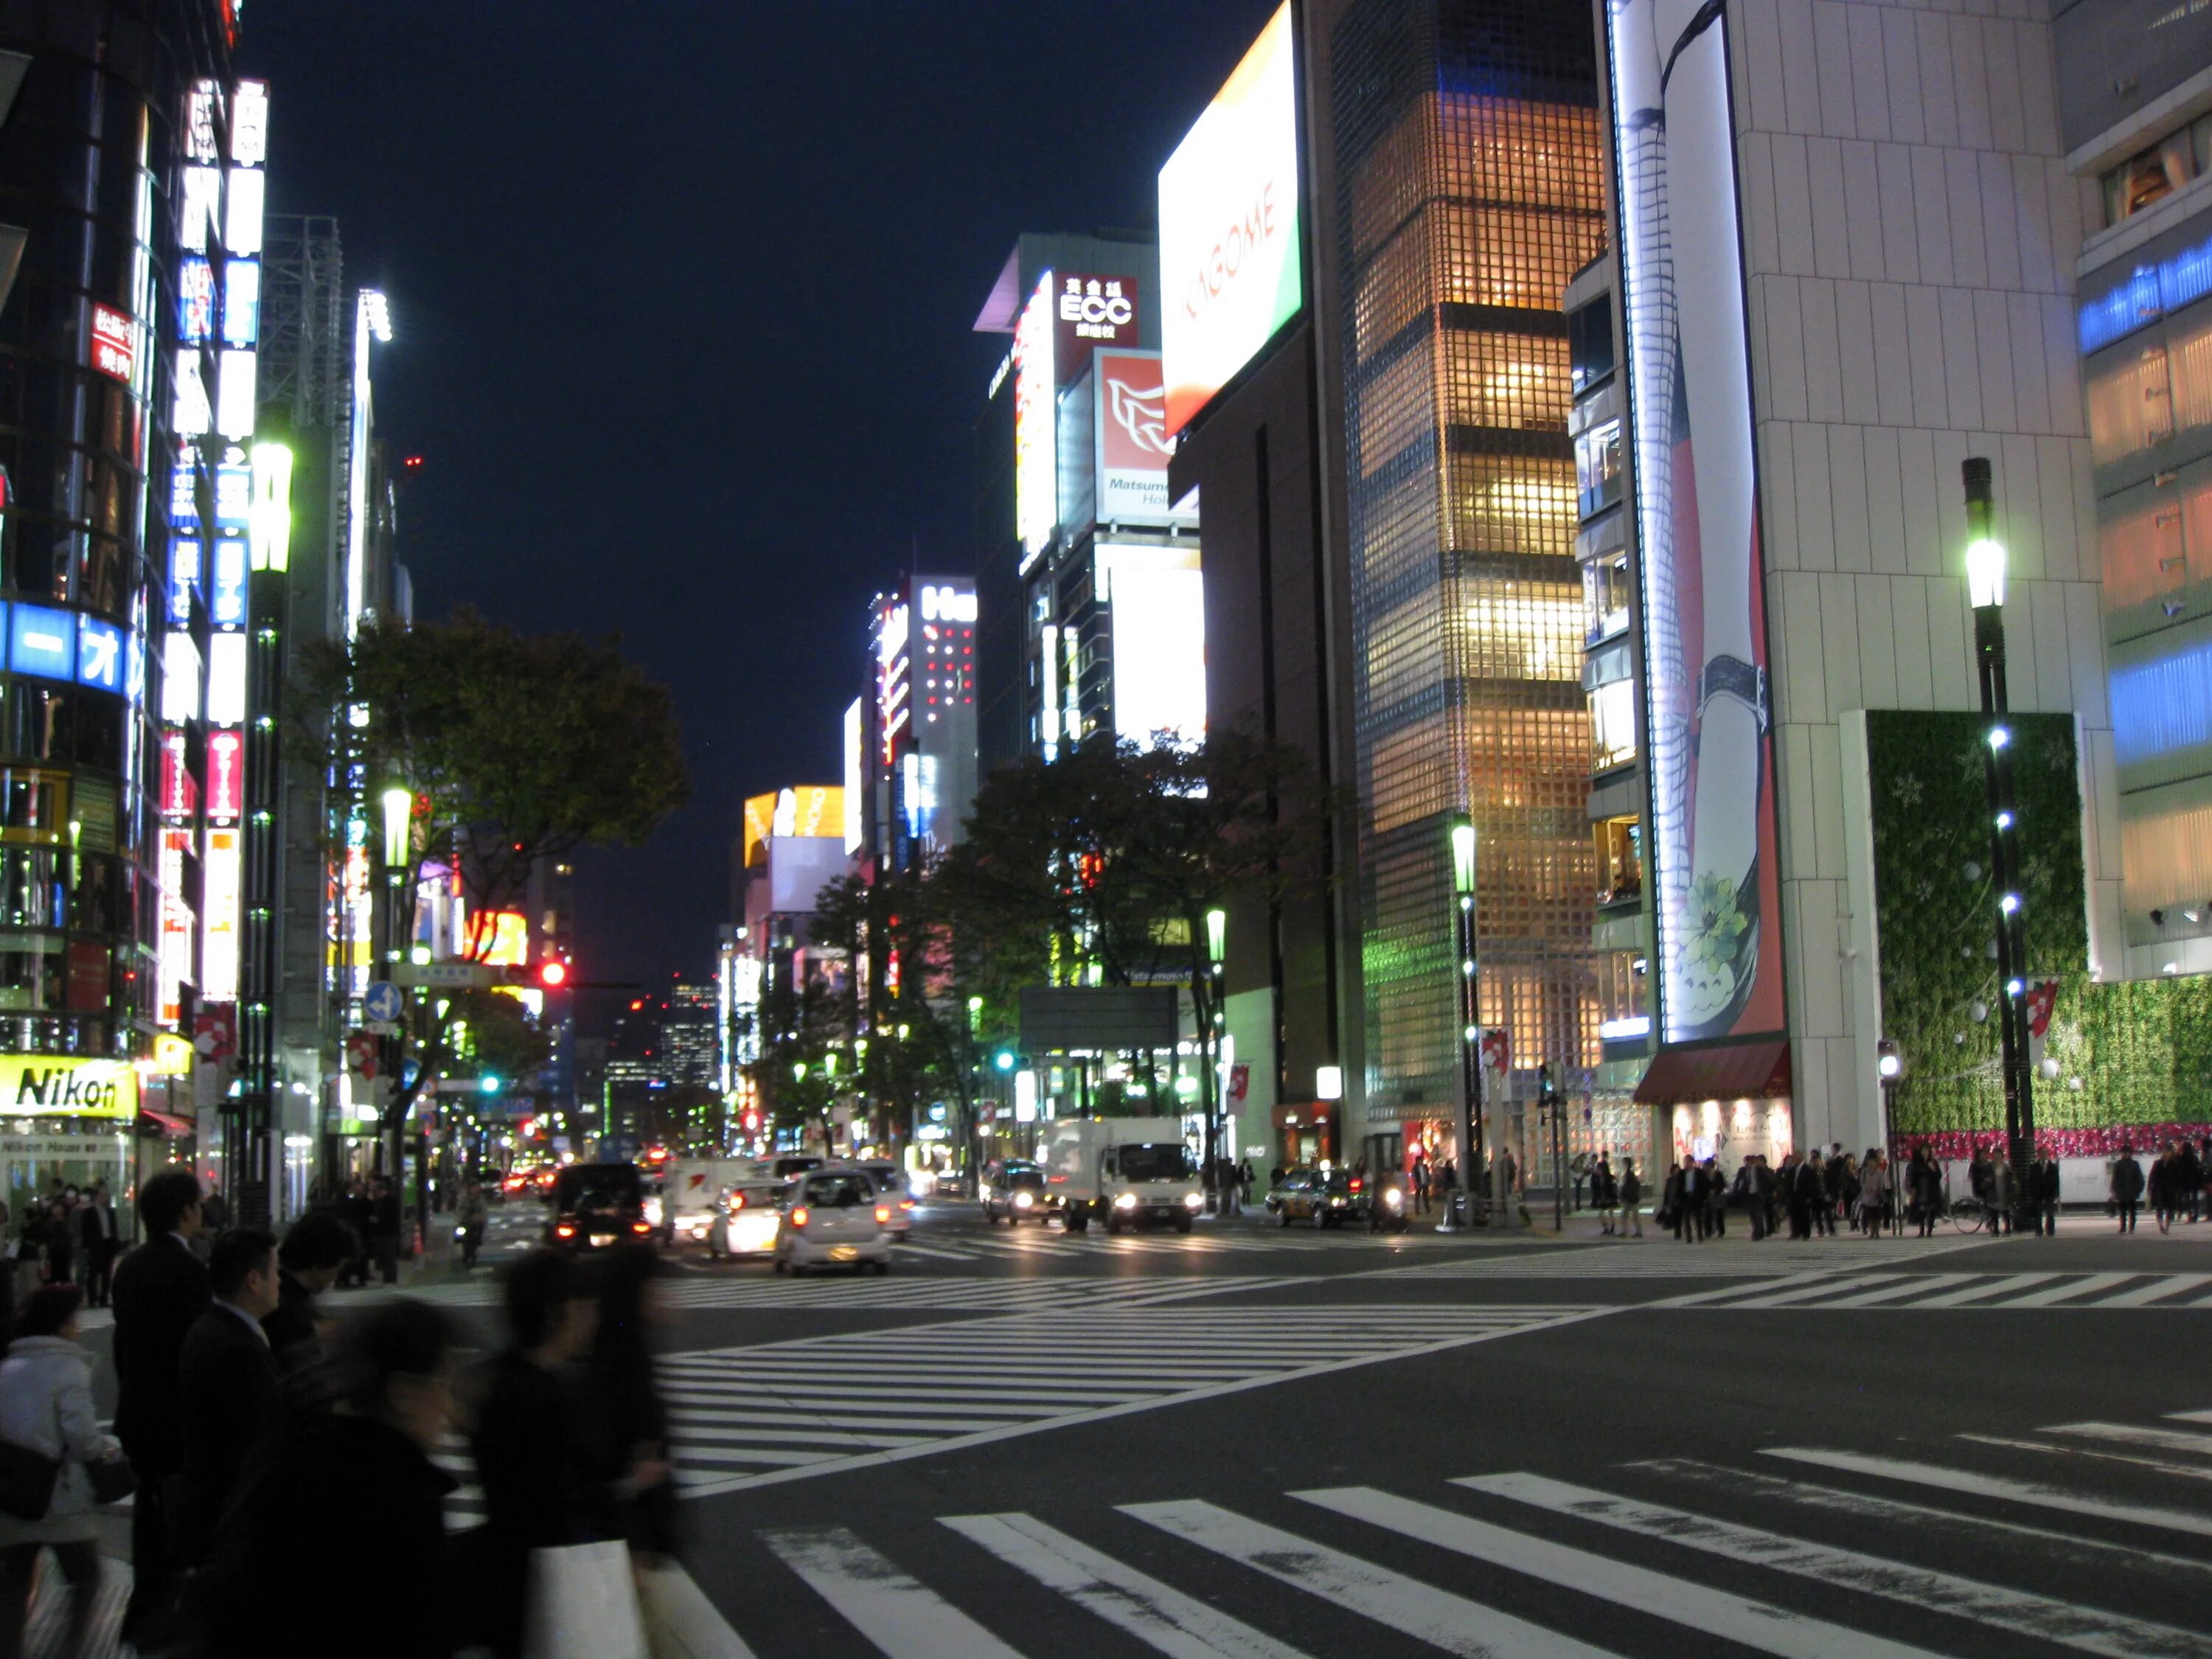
x,y
489,1084
1004,1059
552,973
549,975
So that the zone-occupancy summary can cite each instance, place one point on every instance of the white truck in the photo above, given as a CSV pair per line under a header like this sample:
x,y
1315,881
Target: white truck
x,y
1121,1172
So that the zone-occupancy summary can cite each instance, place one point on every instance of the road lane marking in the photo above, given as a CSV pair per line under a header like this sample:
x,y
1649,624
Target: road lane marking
x,y
1156,1614
2173,1440
1407,1605
1986,1292
2087,1628
1755,1624
1968,1484
2164,1466
1914,1284
897,1612
2068,1292
1859,1507
2158,1289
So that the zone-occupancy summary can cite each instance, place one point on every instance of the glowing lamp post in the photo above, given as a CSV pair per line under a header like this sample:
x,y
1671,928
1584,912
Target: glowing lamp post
x,y
1470,1016
1985,588
1216,950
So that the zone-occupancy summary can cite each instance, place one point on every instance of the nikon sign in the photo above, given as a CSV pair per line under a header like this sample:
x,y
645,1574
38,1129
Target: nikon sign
x,y
62,1085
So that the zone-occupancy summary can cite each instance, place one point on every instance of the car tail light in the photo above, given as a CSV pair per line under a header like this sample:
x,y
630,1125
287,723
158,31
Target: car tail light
x,y
798,1217
738,1202
906,1204
883,1212
641,1226
1356,1185
565,1230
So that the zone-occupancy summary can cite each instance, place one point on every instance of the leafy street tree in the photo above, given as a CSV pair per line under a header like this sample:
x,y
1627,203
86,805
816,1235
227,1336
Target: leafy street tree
x,y
804,1050
516,748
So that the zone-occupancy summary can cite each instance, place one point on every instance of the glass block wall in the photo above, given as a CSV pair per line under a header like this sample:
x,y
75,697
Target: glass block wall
x,y
1469,192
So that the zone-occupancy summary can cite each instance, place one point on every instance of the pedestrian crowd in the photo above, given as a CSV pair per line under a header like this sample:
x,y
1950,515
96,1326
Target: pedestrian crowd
x,y
257,1435
66,1235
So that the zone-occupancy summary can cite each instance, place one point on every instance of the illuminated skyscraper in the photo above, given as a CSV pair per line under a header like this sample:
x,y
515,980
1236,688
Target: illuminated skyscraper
x,y
1469,190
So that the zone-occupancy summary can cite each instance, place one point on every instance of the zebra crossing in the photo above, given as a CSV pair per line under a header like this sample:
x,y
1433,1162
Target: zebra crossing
x,y
1809,1553
771,1413
2040,1291
1027,1243
1765,1261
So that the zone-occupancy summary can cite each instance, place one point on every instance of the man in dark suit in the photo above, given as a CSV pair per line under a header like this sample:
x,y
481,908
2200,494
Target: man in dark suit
x,y
228,1382
95,1230
160,1289
314,1248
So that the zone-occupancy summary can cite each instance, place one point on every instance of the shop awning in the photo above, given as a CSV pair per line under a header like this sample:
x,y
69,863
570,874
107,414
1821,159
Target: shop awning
x,y
1735,1071
176,1129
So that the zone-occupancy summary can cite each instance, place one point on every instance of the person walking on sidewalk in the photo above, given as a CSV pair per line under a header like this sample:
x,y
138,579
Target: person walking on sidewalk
x,y
1632,1198
384,1229
2162,1196
2003,1195
2043,1195
95,1227
2127,1187
1873,1191
45,1406
227,1383
1604,1195
1927,1178
161,1290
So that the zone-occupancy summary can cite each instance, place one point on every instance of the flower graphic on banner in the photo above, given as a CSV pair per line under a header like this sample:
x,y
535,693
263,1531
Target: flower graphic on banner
x,y
1715,928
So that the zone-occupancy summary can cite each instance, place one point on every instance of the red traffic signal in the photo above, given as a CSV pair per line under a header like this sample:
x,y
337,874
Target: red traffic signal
x,y
552,973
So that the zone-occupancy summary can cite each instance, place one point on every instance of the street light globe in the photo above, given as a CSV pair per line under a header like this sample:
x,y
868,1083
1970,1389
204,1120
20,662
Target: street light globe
x,y
398,808
1462,848
1985,571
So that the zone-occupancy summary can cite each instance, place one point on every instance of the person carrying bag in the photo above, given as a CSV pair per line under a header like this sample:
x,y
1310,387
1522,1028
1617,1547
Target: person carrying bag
x,y
51,1446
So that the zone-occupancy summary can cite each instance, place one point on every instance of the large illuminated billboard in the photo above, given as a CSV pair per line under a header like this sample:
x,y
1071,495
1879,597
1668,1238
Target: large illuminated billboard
x,y
1157,600
1133,446
1229,274
1713,843
1037,440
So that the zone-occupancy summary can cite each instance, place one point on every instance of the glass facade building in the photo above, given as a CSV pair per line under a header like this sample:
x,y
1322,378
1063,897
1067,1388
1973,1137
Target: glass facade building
x,y
1469,191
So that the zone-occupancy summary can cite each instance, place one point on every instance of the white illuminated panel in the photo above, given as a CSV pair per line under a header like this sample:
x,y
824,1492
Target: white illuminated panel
x,y
202,202
947,603
1159,598
234,403
1037,448
241,218
181,679
174,959
220,874
241,302
199,121
249,123
226,690
192,417
853,743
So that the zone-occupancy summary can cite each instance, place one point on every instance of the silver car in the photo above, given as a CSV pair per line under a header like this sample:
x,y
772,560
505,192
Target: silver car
x,y
835,1217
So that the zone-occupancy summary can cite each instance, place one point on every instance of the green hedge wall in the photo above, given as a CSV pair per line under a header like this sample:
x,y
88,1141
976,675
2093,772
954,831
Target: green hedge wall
x,y
2127,1053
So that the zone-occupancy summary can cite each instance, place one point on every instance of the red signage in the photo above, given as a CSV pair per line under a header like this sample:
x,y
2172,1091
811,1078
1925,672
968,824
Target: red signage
x,y
226,773
215,1031
88,978
112,349
180,791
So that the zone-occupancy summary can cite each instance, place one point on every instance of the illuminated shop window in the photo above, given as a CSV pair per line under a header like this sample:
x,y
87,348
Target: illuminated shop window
x,y
1612,725
1619,860
1605,595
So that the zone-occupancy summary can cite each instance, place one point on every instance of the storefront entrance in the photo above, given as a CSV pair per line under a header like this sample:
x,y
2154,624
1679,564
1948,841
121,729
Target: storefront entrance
x,y
1306,1133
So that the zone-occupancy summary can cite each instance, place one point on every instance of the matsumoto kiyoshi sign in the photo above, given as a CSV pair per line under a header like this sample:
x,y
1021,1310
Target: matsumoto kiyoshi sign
x,y
62,1085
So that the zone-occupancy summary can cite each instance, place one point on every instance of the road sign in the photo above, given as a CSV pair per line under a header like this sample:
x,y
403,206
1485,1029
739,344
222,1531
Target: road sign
x,y
382,1002
447,975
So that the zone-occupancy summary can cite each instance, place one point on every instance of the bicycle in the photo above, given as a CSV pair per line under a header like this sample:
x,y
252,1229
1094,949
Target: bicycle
x,y
1968,1214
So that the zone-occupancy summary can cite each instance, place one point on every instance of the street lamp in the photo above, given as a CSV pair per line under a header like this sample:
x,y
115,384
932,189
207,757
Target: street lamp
x,y
1470,1014
1216,948
1985,588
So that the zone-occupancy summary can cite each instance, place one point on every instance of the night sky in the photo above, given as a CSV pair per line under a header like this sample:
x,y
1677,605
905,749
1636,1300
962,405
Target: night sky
x,y
683,296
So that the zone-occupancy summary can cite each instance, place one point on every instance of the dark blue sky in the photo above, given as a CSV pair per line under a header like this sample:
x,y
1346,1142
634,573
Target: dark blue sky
x,y
682,292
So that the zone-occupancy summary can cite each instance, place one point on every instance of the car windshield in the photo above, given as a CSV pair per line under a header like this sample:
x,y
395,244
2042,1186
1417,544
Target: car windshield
x,y
612,1183
1023,1174
1166,1161
838,1192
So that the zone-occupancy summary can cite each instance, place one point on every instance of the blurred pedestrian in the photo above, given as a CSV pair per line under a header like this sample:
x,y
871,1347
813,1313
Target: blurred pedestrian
x,y
527,1433
2002,1193
1421,1183
354,1209
474,1214
362,1473
2163,1196
384,1229
227,1383
1605,1194
161,1290
315,1247
1873,1191
58,1244
1632,1198
628,1412
46,1406
2127,1187
216,1210
96,1235
2043,1195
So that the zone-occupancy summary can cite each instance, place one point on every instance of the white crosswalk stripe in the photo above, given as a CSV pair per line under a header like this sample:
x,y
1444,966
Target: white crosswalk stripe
x,y
1967,1483
1768,1260
2041,1291
901,1615
2092,1630
1754,1623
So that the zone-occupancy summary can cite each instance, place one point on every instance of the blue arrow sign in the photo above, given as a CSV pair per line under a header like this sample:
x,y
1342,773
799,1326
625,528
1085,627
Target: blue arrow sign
x,y
382,1001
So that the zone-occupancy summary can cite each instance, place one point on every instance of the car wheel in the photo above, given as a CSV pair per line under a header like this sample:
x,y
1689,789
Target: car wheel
x,y
1320,1219
1283,1215
882,1268
1182,1223
1113,1224
782,1265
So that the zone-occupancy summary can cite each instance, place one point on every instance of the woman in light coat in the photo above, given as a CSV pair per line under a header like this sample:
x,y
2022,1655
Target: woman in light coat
x,y
1874,1192
46,1405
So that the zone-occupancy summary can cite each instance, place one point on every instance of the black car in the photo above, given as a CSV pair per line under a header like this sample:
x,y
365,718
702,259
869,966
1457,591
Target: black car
x,y
596,1204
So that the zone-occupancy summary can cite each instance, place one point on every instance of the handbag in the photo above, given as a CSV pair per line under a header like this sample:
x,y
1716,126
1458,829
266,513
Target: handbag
x,y
583,1605
26,1481
114,1480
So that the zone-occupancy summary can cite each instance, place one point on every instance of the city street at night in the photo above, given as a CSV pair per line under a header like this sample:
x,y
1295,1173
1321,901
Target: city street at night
x,y
1258,1440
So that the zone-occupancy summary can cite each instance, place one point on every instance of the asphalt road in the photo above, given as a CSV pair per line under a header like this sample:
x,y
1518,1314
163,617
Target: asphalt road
x,y
1258,1440
1264,1442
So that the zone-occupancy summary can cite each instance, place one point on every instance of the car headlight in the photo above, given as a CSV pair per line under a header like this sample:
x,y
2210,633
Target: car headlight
x,y
1127,1201
1395,1199
1023,1200
1193,1201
